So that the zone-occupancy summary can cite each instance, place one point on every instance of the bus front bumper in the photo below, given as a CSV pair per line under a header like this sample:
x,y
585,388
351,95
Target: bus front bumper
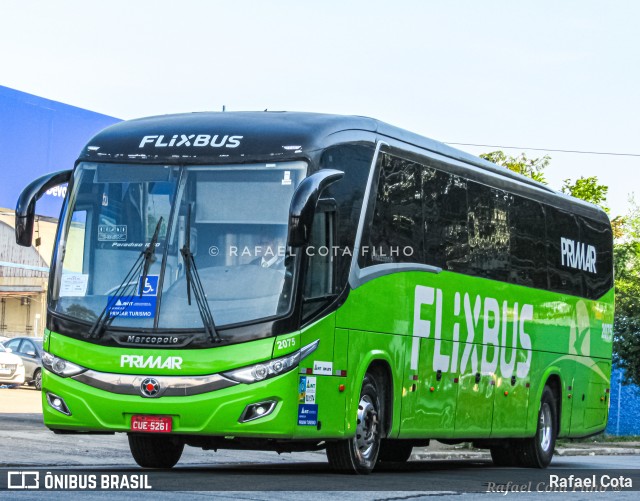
x,y
216,413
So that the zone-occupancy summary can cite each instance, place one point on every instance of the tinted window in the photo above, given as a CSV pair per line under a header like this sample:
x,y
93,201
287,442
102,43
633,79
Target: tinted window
x,y
564,275
445,220
598,236
528,243
319,278
489,242
395,234
355,161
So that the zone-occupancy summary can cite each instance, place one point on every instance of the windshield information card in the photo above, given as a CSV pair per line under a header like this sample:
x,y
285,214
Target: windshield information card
x,y
140,306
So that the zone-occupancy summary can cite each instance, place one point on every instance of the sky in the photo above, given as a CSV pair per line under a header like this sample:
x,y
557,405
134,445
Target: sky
x,y
544,74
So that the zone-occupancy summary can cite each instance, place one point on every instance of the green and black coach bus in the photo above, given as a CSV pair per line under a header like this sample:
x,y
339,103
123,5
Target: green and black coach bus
x,y
295,281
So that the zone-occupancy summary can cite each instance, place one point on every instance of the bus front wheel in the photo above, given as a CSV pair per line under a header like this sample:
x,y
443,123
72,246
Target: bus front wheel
x,y
360,453
153,451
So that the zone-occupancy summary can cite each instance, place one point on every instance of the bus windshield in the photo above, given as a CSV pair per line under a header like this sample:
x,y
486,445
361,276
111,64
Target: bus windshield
x,y
232,219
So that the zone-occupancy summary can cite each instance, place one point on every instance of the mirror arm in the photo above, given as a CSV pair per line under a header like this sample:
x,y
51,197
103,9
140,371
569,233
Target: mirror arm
x,y
303,204
26,206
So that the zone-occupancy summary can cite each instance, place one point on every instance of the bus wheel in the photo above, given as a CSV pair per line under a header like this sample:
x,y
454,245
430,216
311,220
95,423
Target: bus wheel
x,y
395,451
360,453
152,451
536,452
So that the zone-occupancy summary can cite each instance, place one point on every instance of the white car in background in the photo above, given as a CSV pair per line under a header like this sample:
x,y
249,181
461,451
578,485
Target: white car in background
x,y
11,368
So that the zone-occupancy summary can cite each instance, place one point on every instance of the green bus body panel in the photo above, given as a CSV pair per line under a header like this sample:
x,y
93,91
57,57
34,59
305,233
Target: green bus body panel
x,y
215,413
450,343
194,362
474,330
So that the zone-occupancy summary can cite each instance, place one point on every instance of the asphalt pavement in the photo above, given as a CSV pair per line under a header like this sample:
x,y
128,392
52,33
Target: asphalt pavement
x,y
25,444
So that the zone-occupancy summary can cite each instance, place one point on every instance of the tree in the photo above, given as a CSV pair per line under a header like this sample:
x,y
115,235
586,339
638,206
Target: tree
x,y
626,254
587,189
530,167
626,326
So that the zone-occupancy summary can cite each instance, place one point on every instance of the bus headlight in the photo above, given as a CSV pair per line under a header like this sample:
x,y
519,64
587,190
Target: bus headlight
x,y
60,366
272,368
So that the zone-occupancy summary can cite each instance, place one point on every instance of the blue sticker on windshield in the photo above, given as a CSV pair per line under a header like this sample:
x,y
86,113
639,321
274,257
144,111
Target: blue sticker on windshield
x,y
142,305
132,307
308,415
150,285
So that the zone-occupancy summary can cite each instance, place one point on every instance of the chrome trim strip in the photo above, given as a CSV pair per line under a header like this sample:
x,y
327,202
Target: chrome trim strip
x,y
380,270
307,350
170,386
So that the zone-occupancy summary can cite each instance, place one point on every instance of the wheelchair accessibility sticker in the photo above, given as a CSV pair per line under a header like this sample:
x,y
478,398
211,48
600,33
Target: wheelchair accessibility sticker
x,y
143,305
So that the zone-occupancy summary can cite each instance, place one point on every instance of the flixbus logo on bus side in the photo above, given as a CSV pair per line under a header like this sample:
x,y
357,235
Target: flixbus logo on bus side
x,y
485,321
195,140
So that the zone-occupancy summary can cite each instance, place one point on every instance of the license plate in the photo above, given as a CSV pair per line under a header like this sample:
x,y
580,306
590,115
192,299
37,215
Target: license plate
x,y
5,371
151,424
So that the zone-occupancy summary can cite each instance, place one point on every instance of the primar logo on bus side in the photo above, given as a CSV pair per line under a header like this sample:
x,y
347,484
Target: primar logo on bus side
x,y
195,140
578,255
486,322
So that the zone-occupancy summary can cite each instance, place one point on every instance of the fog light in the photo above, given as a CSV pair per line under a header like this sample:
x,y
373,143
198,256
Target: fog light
x,y
257,410
58,404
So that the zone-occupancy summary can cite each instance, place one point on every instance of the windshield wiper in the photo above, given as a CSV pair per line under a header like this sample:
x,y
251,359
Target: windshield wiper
x,y
193,282
127,286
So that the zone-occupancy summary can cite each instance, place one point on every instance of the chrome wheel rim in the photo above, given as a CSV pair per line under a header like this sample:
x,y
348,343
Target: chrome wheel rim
x,y
367,427
545,427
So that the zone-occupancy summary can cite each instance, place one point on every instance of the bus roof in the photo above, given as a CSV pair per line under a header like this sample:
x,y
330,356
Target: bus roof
x,y
215,137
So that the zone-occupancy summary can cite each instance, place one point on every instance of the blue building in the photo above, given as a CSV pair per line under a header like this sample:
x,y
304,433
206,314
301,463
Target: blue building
x,y
625,407
37,136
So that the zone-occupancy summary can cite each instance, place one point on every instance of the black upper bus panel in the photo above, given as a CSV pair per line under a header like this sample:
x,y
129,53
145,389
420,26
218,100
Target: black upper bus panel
x,y
241,137
210,137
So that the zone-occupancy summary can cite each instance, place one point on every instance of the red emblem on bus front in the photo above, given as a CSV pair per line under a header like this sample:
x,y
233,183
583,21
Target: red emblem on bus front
x,y
150,387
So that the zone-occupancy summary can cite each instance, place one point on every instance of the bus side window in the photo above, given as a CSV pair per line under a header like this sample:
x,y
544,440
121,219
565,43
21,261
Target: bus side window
x,y
446,235
488,232
528,249
320,274
598,236
564,274
395,234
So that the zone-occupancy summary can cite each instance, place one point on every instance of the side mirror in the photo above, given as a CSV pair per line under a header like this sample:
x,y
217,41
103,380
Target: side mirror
x,y
303,204
26,206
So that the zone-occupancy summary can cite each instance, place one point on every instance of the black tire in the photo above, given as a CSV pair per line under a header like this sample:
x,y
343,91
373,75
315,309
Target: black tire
x,y
537,451
360,453
37,380
504,455
395,451
152,451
